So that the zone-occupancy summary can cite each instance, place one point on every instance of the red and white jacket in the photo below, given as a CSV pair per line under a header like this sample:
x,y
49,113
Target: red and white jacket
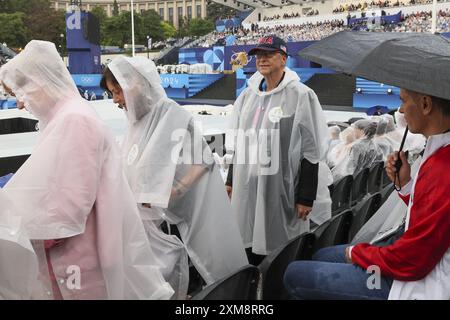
x,y
419,262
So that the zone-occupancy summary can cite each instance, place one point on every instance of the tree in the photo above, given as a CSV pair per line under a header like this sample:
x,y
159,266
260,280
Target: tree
x,y
151,26
117,30
216,11
101,15
12,6
200,27
183,27
115,8
46,24
168,29
13,31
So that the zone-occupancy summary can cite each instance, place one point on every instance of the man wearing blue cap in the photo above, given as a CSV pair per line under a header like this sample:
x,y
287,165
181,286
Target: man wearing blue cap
x,y
278,141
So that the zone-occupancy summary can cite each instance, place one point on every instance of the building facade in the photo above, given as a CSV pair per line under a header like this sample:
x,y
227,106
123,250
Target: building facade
x,y
169,10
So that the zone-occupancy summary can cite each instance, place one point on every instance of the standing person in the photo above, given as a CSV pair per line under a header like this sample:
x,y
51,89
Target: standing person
x,y
278,180
417,265
72,194
173,176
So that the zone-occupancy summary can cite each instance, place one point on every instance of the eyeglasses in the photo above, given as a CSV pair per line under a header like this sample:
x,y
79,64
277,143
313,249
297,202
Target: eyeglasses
x,y
266,54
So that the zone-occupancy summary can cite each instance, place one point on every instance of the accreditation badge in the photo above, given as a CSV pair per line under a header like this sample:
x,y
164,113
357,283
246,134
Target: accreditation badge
x,y
275,114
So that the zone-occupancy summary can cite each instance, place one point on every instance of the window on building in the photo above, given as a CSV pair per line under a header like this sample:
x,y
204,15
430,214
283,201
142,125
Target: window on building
x,y
161,13
189,12
199,11
180,12
171,14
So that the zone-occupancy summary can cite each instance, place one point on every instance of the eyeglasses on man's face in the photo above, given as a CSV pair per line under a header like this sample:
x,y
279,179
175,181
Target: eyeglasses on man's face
x,y
266,54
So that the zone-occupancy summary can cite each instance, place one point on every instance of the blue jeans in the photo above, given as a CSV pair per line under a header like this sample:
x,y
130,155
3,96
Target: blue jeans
x,y
328,276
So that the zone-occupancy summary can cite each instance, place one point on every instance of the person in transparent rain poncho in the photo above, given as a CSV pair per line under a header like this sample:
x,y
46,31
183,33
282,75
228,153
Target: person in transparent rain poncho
x,y
334,137
174,178
390,136
71,195
381,140
363,152
337,156
279,138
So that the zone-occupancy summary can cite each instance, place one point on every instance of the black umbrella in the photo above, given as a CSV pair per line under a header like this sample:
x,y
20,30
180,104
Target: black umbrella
x,y
416,61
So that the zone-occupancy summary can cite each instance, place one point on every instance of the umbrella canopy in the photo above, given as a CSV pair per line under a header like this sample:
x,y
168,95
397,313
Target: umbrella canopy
x,y
416,61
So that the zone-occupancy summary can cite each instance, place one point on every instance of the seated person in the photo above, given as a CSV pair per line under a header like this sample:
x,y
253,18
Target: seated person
x,y
417,265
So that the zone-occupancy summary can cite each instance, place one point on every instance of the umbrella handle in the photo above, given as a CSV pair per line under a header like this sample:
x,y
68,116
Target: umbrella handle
x,y
398,162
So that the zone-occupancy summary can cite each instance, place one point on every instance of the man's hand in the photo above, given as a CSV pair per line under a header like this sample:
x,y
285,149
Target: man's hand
x,y
49,244
347,255
405,169
303,211
229,191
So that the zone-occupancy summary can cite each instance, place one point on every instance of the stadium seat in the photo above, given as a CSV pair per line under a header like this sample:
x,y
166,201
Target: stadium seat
x,y
385,179
272,268
239,285
363,212
386,192
333,232
341,194
374,180
359,186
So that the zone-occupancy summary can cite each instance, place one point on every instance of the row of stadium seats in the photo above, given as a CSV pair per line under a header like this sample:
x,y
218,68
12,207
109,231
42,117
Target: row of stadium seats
x,y
365,194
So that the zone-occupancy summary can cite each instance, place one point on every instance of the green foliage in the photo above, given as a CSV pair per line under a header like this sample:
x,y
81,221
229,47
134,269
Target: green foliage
x,y
12,6
168,29
183,27
13,31
46,24
200,27
151,26
216,11
31,19
115,8
101,15
118,30
24,20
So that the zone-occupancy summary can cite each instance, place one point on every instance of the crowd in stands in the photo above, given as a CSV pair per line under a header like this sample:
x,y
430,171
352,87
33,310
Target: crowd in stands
x,y
366,141
350,7
291,15
415,22
198,68
421,22
291,33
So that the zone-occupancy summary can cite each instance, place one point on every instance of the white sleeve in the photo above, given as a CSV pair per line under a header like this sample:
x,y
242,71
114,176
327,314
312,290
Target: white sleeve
x,y
406,189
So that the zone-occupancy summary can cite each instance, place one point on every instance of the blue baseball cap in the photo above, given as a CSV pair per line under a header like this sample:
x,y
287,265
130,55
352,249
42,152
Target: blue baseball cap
x,y
270,43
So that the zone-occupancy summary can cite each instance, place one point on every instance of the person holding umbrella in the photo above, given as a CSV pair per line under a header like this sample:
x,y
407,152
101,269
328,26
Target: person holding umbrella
x,y
417,265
